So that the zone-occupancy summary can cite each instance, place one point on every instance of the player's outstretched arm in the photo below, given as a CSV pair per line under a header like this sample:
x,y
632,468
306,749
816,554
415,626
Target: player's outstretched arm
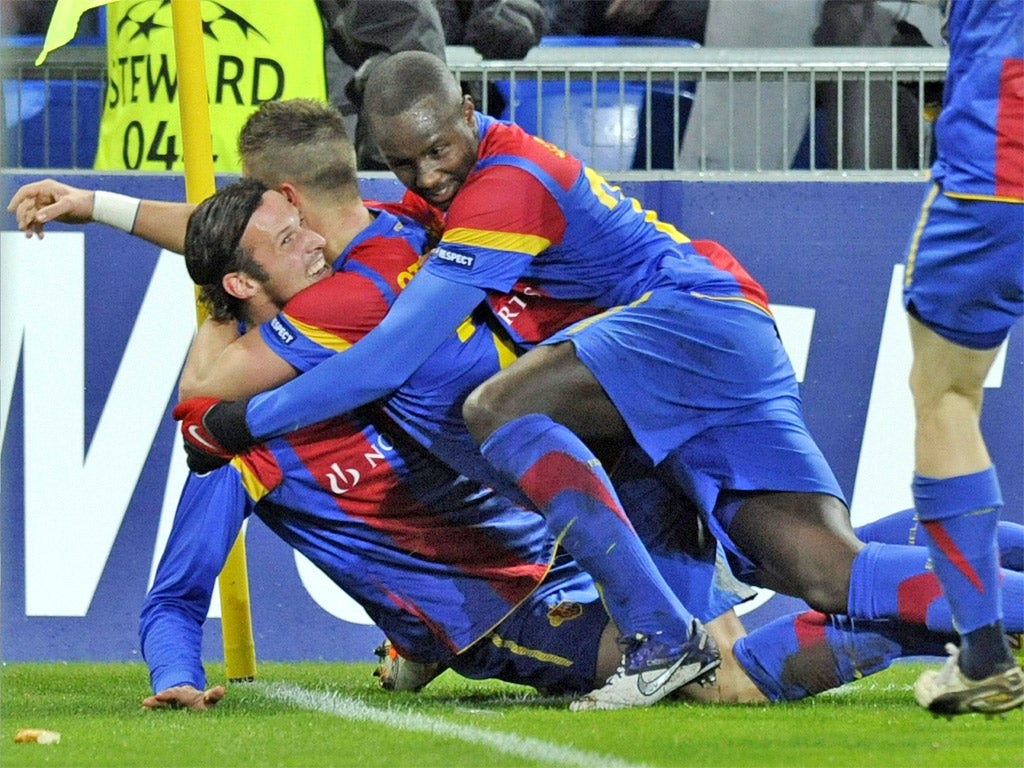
x,y
159,222
185,697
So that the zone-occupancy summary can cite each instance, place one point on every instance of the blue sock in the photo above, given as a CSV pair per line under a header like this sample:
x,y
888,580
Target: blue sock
x,y
1011,585
569,487
960,515
804,654
1010,540
889,581
903,527
898,528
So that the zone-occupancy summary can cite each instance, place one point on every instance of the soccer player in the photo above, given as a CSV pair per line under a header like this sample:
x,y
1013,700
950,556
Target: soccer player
x,y
451,572
674,347
272,162
963,291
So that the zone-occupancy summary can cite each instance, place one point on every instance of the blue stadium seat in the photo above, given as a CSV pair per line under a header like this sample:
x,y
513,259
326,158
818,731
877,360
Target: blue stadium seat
x,y
52,123
604,123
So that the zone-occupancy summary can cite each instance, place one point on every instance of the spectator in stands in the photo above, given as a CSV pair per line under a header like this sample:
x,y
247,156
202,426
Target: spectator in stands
x,y
745,126
362,33
26,17
723,132
496,29
871,23
628,18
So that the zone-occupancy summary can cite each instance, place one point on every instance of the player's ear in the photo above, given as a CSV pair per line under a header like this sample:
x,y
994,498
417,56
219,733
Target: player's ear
x,y
240,285
291,194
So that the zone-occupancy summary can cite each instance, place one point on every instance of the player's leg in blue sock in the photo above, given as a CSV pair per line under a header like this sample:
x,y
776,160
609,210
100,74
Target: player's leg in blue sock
x,y
803,654
898,528
568,485
903,527
889,581
960,515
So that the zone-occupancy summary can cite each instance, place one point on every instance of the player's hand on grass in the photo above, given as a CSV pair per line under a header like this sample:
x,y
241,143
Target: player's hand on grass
x,y
39,202
185,697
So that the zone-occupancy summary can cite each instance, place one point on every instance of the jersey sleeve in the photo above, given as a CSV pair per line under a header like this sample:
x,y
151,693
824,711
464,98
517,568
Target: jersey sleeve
x,y
324,319
503,216
206,524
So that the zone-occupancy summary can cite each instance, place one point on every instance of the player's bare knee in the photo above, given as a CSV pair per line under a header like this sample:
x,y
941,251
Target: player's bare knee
x,y
477,414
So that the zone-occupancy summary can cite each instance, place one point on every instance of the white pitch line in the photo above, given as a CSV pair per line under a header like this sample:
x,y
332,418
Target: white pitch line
x,y
509,743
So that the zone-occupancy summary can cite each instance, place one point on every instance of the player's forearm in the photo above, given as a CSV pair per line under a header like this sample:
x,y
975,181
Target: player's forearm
x,y
156,221
424,314
206,524
163,223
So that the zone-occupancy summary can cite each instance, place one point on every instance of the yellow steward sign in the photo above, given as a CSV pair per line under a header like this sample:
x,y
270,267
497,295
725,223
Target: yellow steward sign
x,y
256,51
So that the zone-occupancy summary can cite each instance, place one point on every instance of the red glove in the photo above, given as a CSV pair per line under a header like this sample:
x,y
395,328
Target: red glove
x,y
214,431
192,415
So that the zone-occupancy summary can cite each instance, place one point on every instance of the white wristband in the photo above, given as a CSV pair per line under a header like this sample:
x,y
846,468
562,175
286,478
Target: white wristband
x,y
115,210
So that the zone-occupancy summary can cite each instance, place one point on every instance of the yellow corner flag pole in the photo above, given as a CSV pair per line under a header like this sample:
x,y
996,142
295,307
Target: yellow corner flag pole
x,y
236,618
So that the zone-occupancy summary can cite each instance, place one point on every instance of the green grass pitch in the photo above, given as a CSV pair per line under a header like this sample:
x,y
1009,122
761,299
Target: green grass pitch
x,y
328,714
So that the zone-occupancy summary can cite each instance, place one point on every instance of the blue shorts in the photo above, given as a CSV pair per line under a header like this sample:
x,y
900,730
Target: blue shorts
x,y
965,269
551,641
708,391
676,364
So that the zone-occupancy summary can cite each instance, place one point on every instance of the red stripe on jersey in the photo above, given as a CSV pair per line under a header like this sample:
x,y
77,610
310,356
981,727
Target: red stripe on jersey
x,y
349,467
346,305
503,139
532,316
915,595
720,257
1009,169
358,475
264,466
528,209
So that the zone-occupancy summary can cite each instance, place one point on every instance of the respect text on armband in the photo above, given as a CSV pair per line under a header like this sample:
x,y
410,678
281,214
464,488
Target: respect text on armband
x,y
458,259
282,333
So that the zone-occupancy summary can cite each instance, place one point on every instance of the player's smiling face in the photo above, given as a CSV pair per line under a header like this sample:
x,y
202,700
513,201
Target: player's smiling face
x,y
431,149
290,254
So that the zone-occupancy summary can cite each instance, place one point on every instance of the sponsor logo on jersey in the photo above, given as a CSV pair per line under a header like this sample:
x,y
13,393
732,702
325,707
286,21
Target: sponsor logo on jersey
x,y
286,336
566,610
342,480
458,259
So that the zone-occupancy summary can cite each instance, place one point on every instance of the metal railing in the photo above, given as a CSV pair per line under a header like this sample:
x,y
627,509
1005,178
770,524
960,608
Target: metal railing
x,y
683,111
731,111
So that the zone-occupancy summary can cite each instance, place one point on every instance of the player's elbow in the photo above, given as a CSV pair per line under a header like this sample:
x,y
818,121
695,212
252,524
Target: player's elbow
x,y
190,386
